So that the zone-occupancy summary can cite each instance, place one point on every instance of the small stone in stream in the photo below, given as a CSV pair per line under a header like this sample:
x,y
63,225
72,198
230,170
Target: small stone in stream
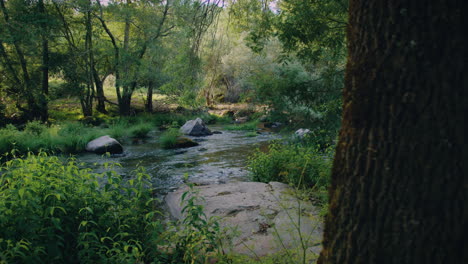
x,y
203,149
301,133
272,124
217,132
180,152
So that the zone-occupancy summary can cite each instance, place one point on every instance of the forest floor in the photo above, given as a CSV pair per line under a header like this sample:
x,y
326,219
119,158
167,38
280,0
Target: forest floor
x,y
69,108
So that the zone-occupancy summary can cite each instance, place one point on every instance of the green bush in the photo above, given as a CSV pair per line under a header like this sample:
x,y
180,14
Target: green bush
x,y
141,130
300,166
169,138
7,136
55,212
35,128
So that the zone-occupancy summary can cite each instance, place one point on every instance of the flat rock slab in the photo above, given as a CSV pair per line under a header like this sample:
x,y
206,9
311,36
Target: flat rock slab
x,y
260,213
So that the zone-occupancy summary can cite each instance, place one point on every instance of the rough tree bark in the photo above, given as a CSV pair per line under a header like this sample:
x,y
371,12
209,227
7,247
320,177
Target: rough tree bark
x,y
399,182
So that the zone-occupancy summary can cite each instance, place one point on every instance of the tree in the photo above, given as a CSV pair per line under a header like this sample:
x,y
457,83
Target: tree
x,y
24,25
399,185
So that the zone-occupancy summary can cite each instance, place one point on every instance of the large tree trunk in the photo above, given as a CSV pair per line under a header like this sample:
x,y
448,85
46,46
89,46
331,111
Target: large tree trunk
x,y
399,181
125,104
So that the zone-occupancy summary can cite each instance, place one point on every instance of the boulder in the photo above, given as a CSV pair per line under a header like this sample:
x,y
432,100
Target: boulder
x,y
301,133
259,213
195,128
104,144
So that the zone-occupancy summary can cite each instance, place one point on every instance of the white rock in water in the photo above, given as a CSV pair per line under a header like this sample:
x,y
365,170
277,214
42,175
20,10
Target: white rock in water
x,y
195,128
302,132
104,144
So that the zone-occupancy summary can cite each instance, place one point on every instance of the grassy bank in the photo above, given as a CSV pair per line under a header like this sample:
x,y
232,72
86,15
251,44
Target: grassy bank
x,y
72,136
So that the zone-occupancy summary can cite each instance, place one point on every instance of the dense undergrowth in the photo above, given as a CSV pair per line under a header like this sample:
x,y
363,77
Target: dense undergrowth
x,y
51,211
300,164
55,212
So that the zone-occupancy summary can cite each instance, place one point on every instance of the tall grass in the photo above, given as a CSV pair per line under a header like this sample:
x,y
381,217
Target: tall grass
x,y
303,167
169,138
249,126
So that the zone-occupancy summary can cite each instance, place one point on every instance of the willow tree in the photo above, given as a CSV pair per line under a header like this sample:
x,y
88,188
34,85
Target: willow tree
x,y
399,182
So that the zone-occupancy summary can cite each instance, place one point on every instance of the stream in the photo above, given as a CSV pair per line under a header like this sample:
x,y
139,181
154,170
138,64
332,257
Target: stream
x,y
220,158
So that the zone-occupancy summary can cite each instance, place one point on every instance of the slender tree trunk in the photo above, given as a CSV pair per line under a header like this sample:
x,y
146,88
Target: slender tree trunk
x,y
44,115
149,98
399,180
126,95
116,52
88,96
101,98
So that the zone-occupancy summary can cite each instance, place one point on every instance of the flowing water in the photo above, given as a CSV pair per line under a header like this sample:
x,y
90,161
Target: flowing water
x,y
219,158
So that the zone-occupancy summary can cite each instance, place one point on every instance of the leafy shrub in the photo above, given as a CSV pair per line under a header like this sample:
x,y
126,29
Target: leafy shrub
x,y
196,237
51,212
7,136
169,138
141,130
303,167
35,128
